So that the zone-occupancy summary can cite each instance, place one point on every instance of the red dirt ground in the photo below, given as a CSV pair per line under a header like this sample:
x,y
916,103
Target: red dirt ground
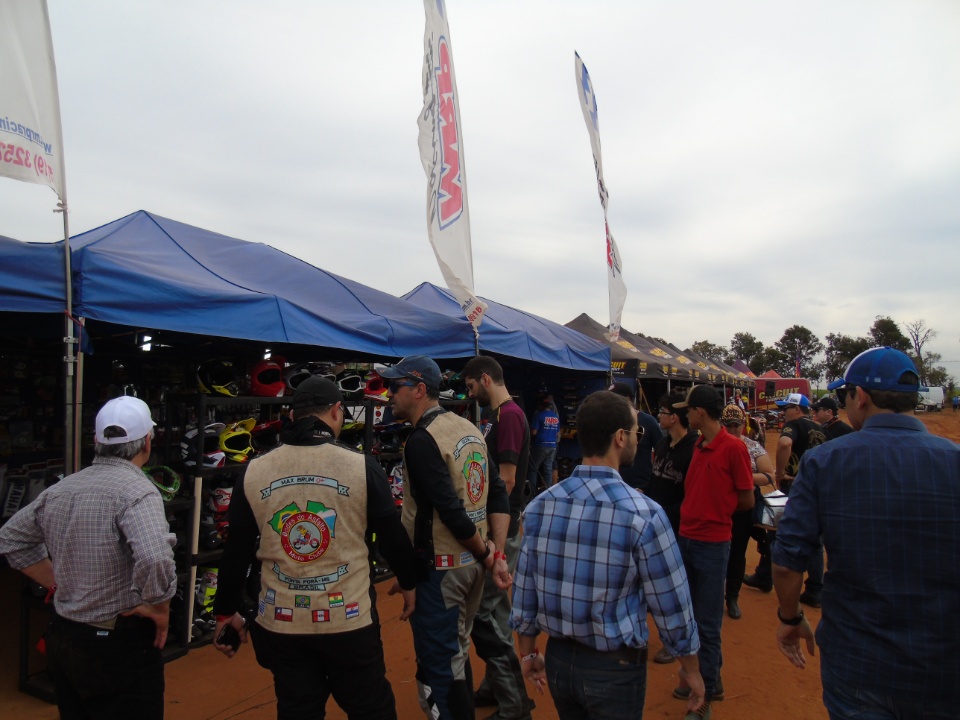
x,y
759,682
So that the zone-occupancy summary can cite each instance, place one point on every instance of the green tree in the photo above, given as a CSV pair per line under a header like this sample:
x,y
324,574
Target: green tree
x,y
885,331
841,349
771,359
744,346
707,349
799,344
937,375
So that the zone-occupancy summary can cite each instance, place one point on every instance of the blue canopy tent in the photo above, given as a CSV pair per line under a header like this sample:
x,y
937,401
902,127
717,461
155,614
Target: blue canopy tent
x,y
518,334
31,277
147,271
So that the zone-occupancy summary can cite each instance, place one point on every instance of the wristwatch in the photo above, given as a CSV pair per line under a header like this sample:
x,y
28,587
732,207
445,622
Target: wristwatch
x,y
790,621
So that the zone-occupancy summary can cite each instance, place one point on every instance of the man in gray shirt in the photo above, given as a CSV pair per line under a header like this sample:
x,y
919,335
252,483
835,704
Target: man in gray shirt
x,y
99,540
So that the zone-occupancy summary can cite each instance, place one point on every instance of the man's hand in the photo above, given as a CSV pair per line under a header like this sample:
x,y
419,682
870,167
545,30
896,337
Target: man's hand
x,y
159,615
409,599
500,572
535,671
788,640
694,681
237,622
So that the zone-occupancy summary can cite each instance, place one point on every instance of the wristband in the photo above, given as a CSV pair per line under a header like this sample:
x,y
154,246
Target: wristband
x,y
223,618
481,558
794,621
768,477
531,656
499,555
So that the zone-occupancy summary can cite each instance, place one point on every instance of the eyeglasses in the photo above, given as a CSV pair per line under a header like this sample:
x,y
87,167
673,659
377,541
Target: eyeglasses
x,y
665,412
639,431
395,385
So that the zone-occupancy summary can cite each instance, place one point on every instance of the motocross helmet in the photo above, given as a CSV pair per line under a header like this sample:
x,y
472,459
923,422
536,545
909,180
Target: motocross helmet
x,y
235,440
296,374
218,377
213,456
266,379
166,480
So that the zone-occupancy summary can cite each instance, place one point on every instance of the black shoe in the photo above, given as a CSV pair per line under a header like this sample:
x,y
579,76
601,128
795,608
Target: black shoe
x,y
808,598
763,584
733,609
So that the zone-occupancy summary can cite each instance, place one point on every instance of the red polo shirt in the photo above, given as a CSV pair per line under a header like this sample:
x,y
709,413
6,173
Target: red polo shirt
x,y
717,472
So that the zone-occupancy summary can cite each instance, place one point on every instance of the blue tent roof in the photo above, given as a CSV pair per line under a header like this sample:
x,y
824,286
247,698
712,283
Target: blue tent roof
x,y
31,276
146,271
514,333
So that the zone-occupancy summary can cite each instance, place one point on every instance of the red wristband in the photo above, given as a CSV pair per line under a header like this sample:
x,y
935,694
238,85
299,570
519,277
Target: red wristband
x,y
498,555
223,618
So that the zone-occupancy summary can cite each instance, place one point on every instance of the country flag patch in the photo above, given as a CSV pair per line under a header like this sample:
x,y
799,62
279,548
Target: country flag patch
x,y
444,561
321,616
283,614
336,599
271,597
353,610
301,601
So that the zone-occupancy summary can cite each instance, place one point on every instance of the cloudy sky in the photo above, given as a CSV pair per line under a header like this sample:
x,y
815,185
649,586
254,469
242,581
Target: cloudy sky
x,y
769,163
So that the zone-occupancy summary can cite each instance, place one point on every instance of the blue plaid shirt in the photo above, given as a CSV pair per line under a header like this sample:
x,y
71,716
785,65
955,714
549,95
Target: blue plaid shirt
x,y
595,554
887,501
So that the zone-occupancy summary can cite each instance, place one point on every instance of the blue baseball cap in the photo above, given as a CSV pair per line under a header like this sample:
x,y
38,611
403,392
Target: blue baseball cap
x,y
798,399
416,367
880,368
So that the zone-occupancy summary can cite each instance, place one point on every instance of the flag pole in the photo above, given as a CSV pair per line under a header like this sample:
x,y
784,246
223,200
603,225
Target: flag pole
x,y
71,416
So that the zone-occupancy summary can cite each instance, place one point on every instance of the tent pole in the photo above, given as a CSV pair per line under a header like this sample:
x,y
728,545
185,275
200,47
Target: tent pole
x,y
69,456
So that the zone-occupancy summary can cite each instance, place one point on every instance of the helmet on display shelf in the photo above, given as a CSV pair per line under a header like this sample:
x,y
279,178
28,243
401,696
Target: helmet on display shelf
x,y
210,537
165,479
351,384
395,476
213,456
266,379
266,435
219,499
218,377
296,374
375,388
235,440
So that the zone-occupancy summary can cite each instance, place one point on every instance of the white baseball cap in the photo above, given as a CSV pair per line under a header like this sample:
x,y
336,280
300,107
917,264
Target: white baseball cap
x,y
130,414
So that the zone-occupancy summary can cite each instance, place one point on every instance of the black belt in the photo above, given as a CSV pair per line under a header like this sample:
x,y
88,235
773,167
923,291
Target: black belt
x,y
123,625
624,654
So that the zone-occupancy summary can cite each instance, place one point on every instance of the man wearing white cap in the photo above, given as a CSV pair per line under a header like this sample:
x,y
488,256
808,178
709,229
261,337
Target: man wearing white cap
x,y
99,540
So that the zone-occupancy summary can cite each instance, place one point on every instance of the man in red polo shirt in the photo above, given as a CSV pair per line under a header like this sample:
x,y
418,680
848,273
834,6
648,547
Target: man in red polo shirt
x,y
719,482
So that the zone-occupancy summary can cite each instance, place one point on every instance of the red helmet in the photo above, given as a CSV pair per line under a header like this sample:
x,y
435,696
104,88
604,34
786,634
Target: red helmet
x,y
266,379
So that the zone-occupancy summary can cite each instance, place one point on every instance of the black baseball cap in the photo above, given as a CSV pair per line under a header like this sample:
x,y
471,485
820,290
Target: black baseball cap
x,y
316,392
701,396
826,403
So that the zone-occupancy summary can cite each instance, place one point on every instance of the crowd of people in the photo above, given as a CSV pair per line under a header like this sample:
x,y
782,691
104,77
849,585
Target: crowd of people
x,y
490,549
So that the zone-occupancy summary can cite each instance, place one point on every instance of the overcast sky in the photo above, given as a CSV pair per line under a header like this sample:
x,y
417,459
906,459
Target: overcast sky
x,y
768,163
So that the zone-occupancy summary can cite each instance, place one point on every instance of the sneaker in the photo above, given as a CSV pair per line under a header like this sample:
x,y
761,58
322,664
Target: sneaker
x,y
683,693
663,657
808,598
758,582
704,713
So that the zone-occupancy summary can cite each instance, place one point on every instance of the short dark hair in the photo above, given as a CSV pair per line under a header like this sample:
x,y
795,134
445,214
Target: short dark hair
x,y
621,388
898,402
599,417
483,364
668,400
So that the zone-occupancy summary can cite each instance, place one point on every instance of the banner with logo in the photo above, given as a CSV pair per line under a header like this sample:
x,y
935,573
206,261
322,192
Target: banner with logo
x,y
31,139
441,151
616,287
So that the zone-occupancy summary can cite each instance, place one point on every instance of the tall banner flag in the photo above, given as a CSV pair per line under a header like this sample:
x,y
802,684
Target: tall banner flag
x,y
441,151
616,286
31,139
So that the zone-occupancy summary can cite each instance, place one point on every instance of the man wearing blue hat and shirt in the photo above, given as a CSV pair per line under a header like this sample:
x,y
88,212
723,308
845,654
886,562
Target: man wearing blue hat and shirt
x,y
799,434
886,501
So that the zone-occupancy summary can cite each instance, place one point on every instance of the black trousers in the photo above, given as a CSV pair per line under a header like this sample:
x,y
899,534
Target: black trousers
x,y
743,531
105,674
307,669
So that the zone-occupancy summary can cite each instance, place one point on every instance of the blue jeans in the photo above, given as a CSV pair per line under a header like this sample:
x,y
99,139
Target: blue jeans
x,y
541,459
586,685
706,566
843,701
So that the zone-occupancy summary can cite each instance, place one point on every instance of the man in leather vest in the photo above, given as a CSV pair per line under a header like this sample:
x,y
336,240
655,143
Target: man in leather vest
x,y
452,496
312,502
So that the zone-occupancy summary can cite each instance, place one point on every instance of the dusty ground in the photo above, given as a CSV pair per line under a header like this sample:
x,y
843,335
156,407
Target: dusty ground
x,y
759,682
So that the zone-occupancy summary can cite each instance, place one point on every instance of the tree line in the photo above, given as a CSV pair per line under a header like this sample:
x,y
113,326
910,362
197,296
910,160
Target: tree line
x,y
817,360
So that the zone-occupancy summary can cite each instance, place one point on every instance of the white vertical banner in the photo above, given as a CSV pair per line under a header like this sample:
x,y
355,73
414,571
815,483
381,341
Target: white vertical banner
x,y
31,138
616,286
441,151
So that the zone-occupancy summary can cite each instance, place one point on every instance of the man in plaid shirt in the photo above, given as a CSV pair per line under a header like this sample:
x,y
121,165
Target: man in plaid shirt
x,y
596,554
